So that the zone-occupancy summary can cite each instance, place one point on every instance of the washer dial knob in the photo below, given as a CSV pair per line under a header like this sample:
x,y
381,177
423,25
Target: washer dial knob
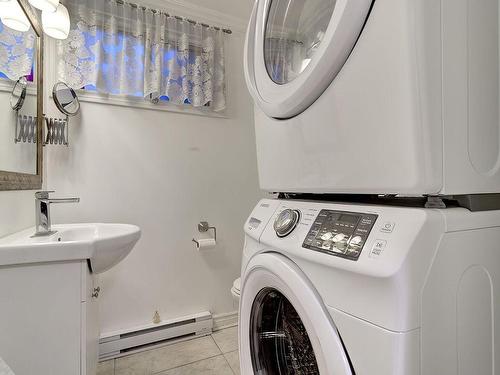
x,y
286,222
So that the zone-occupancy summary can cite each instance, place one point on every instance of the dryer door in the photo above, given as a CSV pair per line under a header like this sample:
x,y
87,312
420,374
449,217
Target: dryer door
x,y
284,327
295,48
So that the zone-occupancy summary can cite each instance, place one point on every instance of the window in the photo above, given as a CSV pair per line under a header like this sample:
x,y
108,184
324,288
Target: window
x,y
118,49
17,51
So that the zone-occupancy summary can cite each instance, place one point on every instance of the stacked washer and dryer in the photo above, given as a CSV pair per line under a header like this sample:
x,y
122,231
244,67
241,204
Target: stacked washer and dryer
x,y
377,122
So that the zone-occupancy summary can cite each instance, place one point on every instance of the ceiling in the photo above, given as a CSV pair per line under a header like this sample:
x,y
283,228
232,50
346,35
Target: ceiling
x,y
236,8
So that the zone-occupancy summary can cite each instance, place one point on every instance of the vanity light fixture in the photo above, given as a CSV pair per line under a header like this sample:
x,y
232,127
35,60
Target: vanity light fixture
x,y
45,5
56,24
12,16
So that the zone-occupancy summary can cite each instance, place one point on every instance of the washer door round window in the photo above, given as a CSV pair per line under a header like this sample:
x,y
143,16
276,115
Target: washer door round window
x,y
279,342
294,31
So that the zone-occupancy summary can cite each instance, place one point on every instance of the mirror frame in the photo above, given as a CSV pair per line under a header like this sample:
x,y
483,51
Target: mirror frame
x,y
25,181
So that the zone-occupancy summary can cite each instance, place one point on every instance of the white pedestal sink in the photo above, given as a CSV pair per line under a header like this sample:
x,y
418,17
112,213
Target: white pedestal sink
x,y
49,292
104,245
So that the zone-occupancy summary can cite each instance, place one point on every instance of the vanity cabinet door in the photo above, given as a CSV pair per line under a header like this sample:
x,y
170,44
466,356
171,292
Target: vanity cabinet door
x,y
90,322
40,318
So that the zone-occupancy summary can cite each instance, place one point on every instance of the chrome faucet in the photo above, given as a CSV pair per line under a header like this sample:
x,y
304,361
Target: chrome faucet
x,y
42,211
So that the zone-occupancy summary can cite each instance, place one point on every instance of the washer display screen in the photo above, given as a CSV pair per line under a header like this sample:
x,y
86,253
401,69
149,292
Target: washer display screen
x,y
352,219
340,233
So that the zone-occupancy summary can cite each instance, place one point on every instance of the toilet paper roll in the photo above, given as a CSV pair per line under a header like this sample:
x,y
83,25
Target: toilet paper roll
x,y
205,243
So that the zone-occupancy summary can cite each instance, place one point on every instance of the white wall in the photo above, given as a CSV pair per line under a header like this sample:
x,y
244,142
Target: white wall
x,y
15,157
165,172
17,211
17,208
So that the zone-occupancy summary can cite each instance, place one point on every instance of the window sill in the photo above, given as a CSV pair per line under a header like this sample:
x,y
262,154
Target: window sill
x,y
124,101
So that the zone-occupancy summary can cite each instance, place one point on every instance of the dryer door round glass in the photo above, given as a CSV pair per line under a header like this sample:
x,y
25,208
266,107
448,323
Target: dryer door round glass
x,y
279,341
295,48
294,32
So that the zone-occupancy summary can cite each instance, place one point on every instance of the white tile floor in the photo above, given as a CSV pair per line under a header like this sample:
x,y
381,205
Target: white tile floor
x,y
216,354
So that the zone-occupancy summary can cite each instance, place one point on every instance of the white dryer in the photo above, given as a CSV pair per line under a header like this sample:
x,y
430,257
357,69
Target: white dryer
x,y
376,96
335,289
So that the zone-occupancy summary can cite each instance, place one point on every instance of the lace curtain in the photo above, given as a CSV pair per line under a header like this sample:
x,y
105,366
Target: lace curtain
x,y
17,50
125,50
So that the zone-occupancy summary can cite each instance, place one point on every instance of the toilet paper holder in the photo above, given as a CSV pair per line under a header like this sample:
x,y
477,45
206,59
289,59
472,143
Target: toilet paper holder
x,y
203,227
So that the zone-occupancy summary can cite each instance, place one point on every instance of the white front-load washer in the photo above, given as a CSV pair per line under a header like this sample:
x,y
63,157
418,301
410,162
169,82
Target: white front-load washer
x,y
376,96
334,289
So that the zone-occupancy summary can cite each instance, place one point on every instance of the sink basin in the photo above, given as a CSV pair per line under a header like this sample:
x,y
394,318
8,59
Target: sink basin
x,y
105,245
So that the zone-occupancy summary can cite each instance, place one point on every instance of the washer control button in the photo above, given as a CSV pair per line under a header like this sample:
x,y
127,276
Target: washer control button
x,y
339,237
327,236
286,222
356,240
377,248
388,227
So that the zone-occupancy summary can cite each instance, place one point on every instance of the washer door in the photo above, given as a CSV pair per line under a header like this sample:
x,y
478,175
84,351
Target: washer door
x,y
296,48
284,327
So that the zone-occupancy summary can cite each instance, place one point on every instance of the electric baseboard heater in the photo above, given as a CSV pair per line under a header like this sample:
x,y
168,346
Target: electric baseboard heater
x,y
120,343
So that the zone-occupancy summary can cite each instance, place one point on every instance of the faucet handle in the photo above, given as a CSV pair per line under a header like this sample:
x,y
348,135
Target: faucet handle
x,y
44,194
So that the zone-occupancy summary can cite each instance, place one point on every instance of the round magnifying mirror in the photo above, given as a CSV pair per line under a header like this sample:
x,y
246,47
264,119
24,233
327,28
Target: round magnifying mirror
x,y
65,99
18,94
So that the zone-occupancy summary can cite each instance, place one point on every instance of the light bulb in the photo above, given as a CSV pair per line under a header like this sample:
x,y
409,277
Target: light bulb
x,y
12,16
45,5
56,24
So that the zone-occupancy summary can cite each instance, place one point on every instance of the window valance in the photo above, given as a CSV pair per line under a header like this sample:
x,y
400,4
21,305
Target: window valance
x,y
17,51
123,49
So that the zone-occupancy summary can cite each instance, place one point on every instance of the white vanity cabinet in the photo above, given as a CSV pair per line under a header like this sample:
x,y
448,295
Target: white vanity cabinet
x,y
48,296
49,318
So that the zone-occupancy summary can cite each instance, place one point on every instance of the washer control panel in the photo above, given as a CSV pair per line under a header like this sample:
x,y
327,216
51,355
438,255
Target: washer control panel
x,y
340,233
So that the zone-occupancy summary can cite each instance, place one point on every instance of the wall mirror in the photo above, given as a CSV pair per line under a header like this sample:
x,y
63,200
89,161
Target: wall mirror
x,y
21,96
